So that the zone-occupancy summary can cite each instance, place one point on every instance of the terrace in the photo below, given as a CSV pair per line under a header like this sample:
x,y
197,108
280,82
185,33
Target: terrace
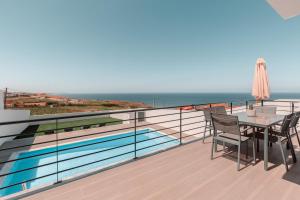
x,y
162,156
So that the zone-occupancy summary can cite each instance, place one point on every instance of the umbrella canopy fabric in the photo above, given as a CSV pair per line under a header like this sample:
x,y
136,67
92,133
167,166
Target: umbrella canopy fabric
x,y
286,8
261,88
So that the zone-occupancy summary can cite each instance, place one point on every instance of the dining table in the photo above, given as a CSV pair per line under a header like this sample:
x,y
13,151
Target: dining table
x,y
264,121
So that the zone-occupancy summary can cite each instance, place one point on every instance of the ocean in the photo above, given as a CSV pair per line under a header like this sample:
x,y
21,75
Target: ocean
x,y
176,99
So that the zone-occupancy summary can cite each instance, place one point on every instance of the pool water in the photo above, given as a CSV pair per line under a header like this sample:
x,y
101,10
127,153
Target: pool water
x,y
107,151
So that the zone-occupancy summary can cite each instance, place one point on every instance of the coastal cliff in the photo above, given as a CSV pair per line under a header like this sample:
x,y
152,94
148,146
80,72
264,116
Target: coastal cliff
x,y
42,103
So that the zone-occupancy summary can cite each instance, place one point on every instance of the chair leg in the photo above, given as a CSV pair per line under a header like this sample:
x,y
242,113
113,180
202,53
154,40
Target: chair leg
x,y
254,149
289,141
246,132
296,132
270,142
238,159
216,146
283,156
212,149
204,131
257,145
247,152
210,128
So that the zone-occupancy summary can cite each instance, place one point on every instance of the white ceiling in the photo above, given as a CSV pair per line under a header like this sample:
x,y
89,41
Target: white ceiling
x,y
286,8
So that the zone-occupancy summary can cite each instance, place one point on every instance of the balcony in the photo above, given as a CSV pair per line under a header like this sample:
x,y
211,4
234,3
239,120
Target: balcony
x,y
185,172
172,162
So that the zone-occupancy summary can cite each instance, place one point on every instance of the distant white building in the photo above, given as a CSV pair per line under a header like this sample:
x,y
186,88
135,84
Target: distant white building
x,y
11,115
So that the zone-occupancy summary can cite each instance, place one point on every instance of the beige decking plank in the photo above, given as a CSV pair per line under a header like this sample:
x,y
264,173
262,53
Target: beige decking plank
x,y
139,172
179,181
169,175
245,184
293,193
132,179
185,173
123,173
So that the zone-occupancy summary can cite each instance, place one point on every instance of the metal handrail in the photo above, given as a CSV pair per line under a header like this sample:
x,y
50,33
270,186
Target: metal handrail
x,y
105,113
14,135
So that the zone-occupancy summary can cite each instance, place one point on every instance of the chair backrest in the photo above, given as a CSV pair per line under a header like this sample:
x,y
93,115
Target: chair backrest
x,y
295,119
219,110
266,109
225,124
286,124
207,114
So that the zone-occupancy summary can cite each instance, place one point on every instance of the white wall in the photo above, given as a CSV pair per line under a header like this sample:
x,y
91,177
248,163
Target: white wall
x,y
12,115
237,109
123,116
195,117
284,106
192,121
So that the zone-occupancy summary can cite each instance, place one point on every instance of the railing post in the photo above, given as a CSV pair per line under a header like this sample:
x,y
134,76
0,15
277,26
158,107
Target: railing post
x,y
24,186
180,125
5,98
135,135
293,107
56,139
246,105
262,102
230,107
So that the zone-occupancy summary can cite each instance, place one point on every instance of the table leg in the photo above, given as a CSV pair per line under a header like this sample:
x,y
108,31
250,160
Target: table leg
x,y
266,148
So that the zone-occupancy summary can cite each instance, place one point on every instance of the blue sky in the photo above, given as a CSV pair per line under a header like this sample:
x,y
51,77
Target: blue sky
x,y
145,45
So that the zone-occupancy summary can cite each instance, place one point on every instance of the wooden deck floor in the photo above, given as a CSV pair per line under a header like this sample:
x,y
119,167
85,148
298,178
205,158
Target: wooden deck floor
x,y
186,172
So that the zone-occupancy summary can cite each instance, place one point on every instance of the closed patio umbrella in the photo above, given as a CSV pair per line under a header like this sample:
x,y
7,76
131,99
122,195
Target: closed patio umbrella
x,y
286,8
261,88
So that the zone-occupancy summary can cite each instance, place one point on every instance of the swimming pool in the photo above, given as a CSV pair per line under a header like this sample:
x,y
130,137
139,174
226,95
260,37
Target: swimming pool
x,y
81,157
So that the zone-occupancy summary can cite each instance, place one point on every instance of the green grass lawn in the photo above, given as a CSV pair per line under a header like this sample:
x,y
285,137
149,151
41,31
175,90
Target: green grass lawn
x,y
36,130
77,108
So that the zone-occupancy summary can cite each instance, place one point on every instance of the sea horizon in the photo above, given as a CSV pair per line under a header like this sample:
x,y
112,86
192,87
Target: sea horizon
x,y
180,98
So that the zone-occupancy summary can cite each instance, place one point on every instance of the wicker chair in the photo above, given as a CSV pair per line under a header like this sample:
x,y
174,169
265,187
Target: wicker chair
x,y
293,125
227,130
208,123
264,110
279,136
219,110
207,114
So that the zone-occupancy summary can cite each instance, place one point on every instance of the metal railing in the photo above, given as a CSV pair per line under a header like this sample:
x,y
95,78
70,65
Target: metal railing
x,y
167,128
173,124
283,107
